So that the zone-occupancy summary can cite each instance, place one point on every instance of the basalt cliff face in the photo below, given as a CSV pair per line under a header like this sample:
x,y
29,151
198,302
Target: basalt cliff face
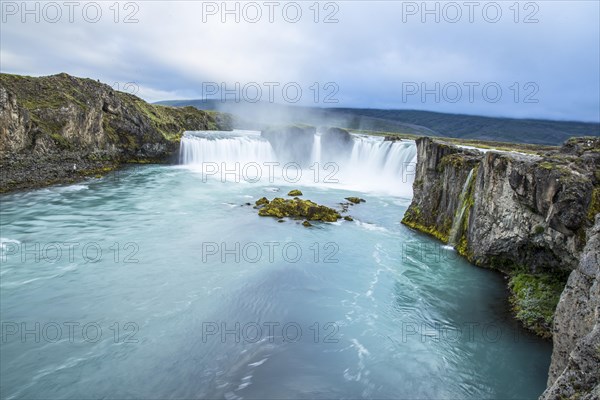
x,y
520,210
575,369
61,128
530,215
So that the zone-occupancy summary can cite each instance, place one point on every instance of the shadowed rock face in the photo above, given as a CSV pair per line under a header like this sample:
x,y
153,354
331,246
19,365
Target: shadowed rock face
x,y
292,143
575,369
61,128
336,143
522,210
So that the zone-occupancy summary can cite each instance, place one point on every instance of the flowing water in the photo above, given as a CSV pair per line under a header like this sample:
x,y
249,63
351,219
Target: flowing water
x,y
458,218
159,282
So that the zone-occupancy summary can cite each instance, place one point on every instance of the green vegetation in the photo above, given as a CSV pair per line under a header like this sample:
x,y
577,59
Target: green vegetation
x,y
128,121
534,299
413,219
456,160
355,200
468,202
261,202
294,192
296,208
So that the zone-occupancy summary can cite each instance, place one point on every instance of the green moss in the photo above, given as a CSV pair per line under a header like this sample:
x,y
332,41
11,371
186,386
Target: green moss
x,y
99,171
456,160
534,299
355,200
413,219
60,140
262,201
294,192
594,207
468,201
538,229
298,208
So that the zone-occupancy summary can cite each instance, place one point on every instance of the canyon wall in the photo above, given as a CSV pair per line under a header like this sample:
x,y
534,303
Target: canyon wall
x,y
575,368
61,128
529,215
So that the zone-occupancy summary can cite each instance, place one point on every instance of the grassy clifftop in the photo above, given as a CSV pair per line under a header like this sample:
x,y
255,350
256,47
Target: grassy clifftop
x,y
47,120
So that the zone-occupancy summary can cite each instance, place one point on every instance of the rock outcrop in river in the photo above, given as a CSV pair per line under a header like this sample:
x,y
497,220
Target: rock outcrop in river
x,y
530,216
61,128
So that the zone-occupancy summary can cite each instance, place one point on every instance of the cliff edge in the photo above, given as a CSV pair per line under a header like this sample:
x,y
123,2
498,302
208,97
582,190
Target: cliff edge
x,y
575,368
533,215
60,128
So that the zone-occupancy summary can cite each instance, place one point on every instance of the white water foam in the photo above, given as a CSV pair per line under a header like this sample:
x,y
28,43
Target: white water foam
x,y
372,165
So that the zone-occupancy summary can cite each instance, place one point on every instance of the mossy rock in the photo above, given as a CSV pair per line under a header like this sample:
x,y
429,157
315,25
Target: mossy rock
x,y
355,200
306,224
538,229
594,204
348,218
534,299
262,201
298,208
294,192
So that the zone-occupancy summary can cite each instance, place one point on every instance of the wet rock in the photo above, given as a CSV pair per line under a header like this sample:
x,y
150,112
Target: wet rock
x,y
306,224
355,200
348,218
336,143
294,192
262,201
510,199
292,143
298,208
575,367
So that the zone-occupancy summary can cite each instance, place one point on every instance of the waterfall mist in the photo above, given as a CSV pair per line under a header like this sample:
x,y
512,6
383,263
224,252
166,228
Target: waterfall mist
x,y
303,156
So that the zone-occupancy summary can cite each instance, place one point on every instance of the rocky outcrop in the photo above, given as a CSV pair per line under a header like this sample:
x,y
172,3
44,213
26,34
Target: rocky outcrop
x,y
530,216
520,210
335,144
296,208
301,136
575,368
62,128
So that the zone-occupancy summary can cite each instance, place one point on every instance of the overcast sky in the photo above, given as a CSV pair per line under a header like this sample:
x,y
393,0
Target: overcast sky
x,y
534,60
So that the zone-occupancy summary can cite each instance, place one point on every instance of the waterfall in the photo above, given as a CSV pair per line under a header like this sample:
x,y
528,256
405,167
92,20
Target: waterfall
x,y
358,162
223,147
460,212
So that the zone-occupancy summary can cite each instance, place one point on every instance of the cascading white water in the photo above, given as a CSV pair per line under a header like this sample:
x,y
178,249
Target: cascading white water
x,y
458,217
370,163
224,147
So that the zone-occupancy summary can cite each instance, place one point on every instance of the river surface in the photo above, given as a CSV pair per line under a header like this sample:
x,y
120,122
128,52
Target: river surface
x,y
159,282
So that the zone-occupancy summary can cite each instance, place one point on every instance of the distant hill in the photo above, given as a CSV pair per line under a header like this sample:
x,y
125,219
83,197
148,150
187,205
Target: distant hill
x,y
536,131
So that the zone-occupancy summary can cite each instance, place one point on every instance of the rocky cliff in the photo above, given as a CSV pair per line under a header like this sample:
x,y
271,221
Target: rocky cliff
x,y
61,128
528,214
575,369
